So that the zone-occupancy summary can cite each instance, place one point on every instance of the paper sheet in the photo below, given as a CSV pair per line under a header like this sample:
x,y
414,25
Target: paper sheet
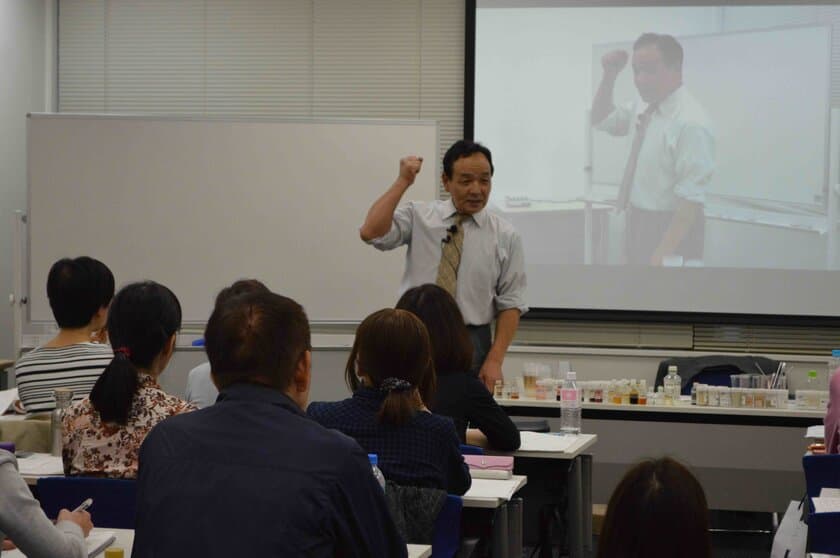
x,y
40,465
830,492
491,488
98,541
826,505
7,397
536,441
817,432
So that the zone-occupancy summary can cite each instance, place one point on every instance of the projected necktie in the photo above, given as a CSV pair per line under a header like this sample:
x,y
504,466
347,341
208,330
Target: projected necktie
x,y
630,169
450,256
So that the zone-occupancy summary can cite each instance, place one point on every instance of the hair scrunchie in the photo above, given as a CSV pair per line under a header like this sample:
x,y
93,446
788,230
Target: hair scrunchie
x,y
125,352
395,384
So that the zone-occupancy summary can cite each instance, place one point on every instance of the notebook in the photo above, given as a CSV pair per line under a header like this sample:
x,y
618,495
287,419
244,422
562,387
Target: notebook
x,y
98,541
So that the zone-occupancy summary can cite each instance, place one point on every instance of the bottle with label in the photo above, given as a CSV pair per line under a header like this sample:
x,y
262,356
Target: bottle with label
x,y
634,393
570,405
694,393
659,397
63,398
377,474
812,382
673,385
498,387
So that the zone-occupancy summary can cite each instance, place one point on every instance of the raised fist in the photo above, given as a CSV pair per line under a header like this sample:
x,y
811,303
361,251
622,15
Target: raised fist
x,y
614,61
409,167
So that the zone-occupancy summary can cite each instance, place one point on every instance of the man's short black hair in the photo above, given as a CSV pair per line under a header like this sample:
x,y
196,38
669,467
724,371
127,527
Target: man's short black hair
x,y
671,49
464,148
77,289
256,337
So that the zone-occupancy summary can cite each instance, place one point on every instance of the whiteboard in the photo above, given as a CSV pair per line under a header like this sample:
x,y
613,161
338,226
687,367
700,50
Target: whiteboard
x,y
197,203
766,93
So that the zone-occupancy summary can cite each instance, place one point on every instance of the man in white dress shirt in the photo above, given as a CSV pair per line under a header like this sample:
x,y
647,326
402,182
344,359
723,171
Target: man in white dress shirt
x,y
672,157
459,245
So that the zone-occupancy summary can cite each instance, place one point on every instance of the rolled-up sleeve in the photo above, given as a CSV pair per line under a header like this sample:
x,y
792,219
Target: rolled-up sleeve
x,y
400,232
510,289
695,163
617,123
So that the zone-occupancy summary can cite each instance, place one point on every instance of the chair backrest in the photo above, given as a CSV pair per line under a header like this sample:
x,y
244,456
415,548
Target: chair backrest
x,y
467,449
447,536
821,471
529,424
114,500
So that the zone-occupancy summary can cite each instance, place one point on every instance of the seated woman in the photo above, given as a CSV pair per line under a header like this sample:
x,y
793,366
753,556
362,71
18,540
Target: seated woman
x,y
79,291
459,394
658,510
103,433
23,520
391,374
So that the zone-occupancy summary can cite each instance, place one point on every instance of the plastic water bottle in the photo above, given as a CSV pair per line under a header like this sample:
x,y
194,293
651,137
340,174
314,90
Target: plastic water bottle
x,y
63,399
377,474
570,405
673,386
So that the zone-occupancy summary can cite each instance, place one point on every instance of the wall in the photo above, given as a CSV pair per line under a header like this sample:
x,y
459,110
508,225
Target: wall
x,y
25,63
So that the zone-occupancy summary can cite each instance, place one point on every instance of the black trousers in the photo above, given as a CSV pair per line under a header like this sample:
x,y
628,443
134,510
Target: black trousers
x,y
645,229
482,340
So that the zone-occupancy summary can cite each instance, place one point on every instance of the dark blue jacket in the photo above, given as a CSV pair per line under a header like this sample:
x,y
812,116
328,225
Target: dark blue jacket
x,y
424,452
253,476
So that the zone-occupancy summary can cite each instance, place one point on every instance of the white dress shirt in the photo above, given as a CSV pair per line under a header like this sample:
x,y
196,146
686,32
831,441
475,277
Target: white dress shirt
x,y
677,157
201,391
491,275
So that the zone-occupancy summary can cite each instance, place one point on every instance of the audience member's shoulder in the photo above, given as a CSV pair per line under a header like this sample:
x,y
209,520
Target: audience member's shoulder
x,y
320,410
435,423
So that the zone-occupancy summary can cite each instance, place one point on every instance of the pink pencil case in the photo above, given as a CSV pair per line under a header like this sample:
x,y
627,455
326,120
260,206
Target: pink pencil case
x,y
490,462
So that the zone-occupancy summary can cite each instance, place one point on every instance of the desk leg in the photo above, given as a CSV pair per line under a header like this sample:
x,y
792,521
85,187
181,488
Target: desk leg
x,y
586,511
574,513
501,546
515,528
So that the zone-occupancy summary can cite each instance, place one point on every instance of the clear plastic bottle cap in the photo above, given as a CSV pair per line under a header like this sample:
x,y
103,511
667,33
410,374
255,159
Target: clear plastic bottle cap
x,y
672,368
373,458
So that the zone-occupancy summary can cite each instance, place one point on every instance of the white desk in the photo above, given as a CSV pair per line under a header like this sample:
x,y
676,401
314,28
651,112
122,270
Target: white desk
x,y
576,466
497,495
790,416
125,540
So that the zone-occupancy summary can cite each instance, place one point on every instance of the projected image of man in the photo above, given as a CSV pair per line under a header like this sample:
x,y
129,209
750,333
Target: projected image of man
x,y
671,159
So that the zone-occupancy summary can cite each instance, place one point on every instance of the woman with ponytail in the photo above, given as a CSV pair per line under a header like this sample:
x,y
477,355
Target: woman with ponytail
x,y
103,433
391,373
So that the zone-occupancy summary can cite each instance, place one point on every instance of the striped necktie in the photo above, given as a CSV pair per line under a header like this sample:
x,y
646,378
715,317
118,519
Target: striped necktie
x,y
450,255
633,159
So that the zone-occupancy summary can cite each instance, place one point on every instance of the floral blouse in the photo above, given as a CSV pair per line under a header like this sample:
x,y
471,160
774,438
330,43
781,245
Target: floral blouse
x,y
92,447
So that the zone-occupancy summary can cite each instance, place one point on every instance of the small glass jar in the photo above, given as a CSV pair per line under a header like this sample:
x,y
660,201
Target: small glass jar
x,y
737,397
714,396
759,398
749,398
498,389
725,396
702,395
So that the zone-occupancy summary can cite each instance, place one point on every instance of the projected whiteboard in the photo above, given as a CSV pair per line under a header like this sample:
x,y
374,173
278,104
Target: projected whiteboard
x,y
767,95
196,204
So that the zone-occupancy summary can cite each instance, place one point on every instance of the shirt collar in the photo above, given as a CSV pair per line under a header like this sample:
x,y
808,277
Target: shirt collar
x,y
670,104
241,391
448,211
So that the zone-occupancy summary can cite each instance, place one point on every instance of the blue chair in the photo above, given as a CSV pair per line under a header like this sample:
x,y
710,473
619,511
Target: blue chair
x,y
467,449
114,500
822,471
447,538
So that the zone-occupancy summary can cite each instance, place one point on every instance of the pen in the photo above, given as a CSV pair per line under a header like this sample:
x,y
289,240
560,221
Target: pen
x,y
84,505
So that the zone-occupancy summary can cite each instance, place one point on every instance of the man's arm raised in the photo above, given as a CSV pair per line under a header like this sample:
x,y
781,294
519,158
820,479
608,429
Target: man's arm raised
x,y
381,213
602,105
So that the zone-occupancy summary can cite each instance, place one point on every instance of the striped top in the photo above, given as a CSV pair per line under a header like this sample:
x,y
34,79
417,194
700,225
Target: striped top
x,y
43,369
